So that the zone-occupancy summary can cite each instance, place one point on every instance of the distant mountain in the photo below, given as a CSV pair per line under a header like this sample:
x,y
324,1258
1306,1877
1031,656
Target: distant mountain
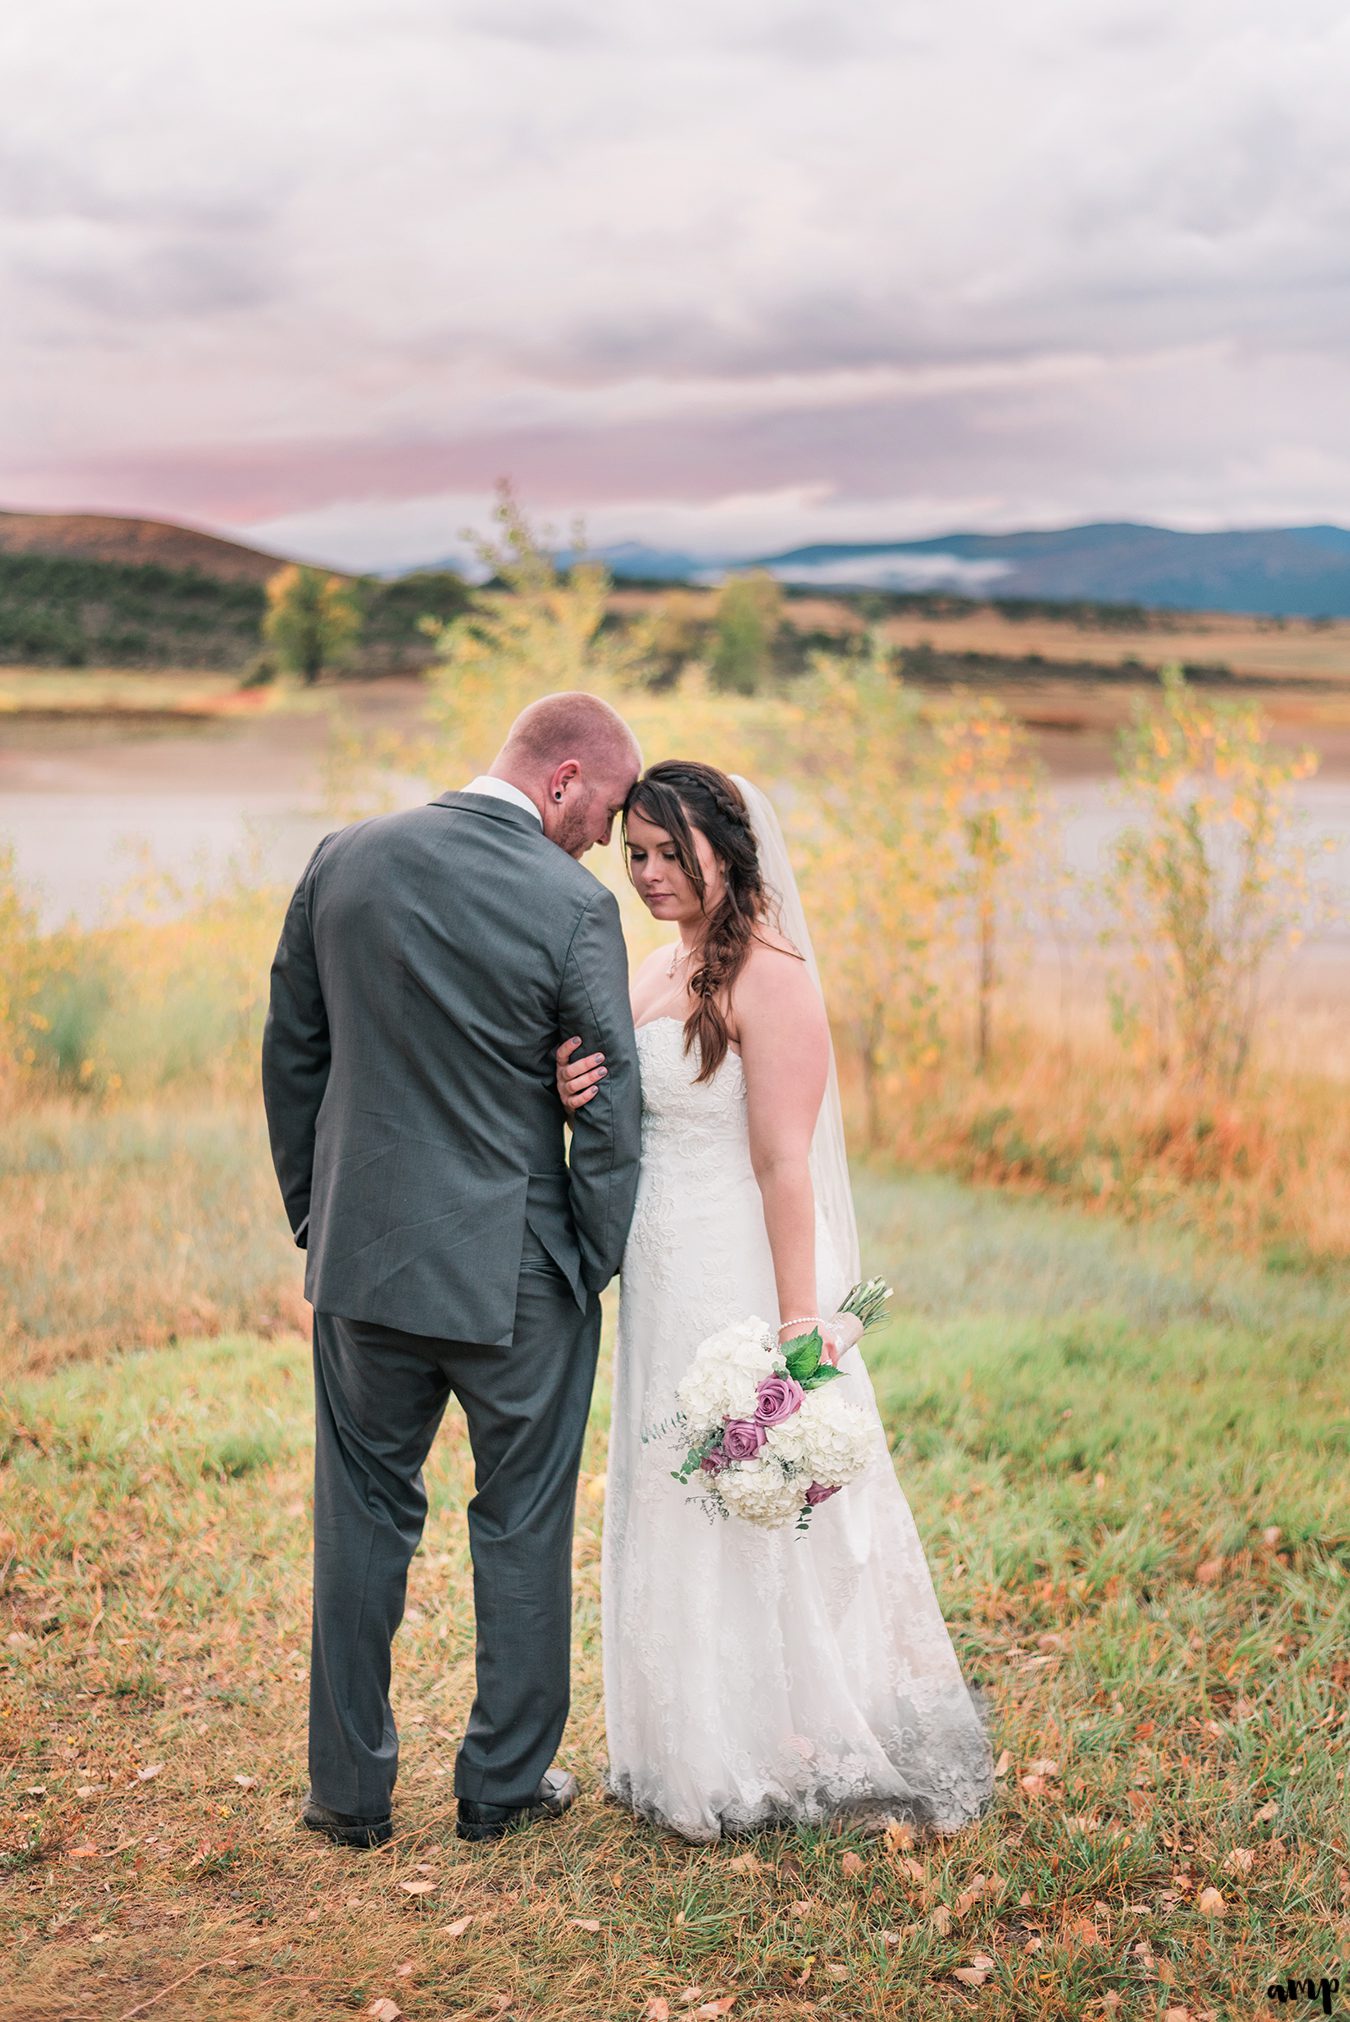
x,y
1278,571
99,537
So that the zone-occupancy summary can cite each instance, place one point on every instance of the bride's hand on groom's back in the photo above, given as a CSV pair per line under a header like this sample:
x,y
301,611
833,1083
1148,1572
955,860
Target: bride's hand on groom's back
x,y
577,1079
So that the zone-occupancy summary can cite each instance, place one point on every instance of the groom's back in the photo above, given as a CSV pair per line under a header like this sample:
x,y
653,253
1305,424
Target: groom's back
x,y
440,939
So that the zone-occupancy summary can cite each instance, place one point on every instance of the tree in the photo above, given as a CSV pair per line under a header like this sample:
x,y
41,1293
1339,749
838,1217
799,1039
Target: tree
x,y
877,865
532,630
988,786
1211,885
746,623
312,619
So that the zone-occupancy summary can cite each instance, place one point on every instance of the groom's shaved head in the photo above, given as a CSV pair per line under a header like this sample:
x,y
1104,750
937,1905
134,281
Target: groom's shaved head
x,y
570,725
577,760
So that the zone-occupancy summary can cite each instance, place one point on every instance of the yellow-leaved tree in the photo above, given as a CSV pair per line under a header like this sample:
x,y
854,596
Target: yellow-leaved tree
x,y
988,783
1210,885
877,866
312,621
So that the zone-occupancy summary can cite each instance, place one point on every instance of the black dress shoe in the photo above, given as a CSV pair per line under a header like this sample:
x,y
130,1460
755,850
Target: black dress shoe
x,y
343,1827
490,1821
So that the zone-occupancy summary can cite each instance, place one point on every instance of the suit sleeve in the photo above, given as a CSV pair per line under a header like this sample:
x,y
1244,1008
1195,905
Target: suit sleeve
x,y
606,1137
296,1055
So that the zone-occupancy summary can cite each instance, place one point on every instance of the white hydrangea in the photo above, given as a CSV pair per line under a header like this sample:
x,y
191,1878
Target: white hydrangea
x,y
837,1436
724,1377
760,1492
787,1441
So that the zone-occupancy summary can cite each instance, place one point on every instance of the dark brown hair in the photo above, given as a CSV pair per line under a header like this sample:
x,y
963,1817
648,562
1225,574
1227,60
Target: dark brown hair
x,y
680,795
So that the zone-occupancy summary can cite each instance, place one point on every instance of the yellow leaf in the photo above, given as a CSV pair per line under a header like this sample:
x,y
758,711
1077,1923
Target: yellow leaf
x,y
851,1864
458,1928
584,1923
417,1888
384,2010
656,2010
1211,1904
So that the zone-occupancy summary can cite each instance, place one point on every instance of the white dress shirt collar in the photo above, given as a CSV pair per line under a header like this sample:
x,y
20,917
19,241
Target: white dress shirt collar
x,y
502,789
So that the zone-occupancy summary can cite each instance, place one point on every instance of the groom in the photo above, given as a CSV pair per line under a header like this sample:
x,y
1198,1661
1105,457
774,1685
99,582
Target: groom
x,y
429,964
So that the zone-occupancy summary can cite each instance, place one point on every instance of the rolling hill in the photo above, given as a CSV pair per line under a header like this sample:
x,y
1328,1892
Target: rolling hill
x,y
98,537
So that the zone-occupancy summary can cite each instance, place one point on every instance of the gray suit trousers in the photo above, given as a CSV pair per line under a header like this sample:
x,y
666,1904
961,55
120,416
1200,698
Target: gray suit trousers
x,y
380,1395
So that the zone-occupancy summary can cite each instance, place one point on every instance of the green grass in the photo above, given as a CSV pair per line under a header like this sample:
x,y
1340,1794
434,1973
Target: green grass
x,y
1127,1458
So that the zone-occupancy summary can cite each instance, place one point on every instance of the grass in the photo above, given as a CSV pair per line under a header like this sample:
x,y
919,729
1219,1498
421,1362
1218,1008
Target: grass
x,y
133,1225
1126,1453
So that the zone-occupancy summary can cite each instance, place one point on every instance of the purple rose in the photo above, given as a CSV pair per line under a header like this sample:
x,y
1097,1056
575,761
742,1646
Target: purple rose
x,y
742,1439
818,1493
713,1462
779,1397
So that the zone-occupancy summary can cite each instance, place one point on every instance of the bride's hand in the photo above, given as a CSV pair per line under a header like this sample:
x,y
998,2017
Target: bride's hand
x,y
577,1079
840,1332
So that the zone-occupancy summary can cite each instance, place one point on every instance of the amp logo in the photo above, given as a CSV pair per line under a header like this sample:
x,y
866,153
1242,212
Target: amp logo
x,y
1294,1989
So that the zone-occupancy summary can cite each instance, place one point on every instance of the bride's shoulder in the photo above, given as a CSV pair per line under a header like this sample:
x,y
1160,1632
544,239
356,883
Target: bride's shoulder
x,y
774,982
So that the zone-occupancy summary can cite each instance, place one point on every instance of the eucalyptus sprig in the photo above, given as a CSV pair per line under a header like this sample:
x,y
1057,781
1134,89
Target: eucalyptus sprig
x,y
868,1302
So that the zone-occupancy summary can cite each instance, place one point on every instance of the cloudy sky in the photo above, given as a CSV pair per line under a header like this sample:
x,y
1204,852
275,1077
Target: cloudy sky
x,y
727,274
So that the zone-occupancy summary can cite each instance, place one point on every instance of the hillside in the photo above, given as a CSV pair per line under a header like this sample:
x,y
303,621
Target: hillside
x,y
97,537
67,611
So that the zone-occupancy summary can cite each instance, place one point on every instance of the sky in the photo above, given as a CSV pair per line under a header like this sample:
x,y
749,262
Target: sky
x,y
726,276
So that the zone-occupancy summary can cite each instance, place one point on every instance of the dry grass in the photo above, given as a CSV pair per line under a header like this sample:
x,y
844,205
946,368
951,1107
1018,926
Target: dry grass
x,y
1124,1455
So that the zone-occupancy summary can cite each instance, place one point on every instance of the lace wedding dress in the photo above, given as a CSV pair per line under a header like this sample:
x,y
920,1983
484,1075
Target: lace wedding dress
x,y
751,1676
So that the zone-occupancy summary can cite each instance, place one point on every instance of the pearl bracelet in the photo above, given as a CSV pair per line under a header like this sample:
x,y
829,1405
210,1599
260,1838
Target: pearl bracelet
x,y
800,1321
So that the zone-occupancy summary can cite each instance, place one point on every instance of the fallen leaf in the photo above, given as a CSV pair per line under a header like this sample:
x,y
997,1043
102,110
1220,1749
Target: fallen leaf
x,y
1052,1640
1110,1999
1211,1904
965,1901
836,1972
1034,1945
712,2008
851,1864
1239,1861
87,1852
912,1868
983,1962
1176,2015
891,1940
246,1782
745,1864
1268,1811
1043,1766
690,1995
458,1928
1032,1785
404,1972
424,1868
941,1920
384,2010
417,1888
1208,1571
899,1837
804,1908
969,1976
88,1789
151,1769
36,1790
656,2010
1004,1763
584,1923
1271,1534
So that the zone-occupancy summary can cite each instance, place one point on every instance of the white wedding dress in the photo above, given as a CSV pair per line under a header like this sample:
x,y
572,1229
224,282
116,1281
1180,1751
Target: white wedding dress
x,y
755,1677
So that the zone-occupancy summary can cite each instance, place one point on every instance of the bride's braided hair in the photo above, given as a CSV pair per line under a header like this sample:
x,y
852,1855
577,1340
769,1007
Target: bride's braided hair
x,y
679,795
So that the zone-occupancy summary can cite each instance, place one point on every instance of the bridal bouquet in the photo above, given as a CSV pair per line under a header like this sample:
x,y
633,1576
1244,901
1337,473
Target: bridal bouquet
x,y
769,1435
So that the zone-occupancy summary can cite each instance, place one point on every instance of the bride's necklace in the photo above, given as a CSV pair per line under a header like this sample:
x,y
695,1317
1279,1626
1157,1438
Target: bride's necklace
x,y
680,954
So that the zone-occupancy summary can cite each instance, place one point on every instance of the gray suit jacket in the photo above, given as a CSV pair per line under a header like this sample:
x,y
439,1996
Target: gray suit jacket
x,y
429,964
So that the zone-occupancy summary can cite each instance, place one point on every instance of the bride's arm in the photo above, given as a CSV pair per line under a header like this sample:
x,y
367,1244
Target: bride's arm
x,y
785,1050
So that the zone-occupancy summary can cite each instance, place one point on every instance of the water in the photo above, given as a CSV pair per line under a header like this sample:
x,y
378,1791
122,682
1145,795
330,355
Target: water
x,y
82,803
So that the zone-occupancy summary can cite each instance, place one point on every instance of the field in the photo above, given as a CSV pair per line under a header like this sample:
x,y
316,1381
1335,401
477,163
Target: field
x,y
1126,1454
1113,1378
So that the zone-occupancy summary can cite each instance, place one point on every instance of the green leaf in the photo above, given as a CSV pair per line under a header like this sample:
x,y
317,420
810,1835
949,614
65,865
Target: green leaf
x,y
826,1373
803,1359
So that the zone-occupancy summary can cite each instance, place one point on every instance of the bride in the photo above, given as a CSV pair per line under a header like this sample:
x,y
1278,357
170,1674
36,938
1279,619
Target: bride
x,y
752,1677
